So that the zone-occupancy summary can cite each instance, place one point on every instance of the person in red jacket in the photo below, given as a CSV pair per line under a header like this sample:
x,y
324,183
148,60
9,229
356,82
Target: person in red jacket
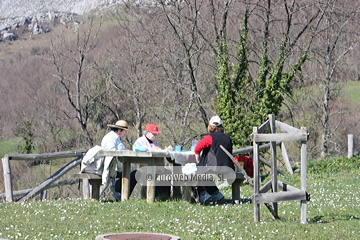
x,y
213,155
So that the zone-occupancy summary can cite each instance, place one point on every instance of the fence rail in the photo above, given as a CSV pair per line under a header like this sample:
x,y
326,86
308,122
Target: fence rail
x,y
38,157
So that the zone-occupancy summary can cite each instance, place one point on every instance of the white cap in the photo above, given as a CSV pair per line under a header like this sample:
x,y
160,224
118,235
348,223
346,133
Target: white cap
x,y
215,121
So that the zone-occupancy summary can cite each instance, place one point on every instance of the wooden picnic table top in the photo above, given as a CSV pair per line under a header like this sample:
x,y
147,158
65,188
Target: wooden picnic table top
x,y
129,153
182,157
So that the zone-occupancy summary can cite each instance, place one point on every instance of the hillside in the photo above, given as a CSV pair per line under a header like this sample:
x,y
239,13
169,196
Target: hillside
x,y
141,71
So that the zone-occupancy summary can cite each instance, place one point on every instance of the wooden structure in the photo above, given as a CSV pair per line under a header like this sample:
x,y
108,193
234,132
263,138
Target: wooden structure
x,y
235,186
94,181
150,159
43,193
38,157
153,159
290,193
126,157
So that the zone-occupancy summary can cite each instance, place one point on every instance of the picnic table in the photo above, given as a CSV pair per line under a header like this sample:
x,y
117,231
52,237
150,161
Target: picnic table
x,y
151,159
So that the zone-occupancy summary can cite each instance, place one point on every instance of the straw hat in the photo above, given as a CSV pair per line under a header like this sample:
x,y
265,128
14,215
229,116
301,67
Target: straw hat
x,y
120,124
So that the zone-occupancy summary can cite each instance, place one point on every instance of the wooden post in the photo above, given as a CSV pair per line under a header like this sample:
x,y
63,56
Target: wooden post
x,y
303,177
150,191
273,161
186,190
43,195
286,158
7,178
292,134
176,190
125,182
95,188
235,187
256,176
86,188
95,182
350,145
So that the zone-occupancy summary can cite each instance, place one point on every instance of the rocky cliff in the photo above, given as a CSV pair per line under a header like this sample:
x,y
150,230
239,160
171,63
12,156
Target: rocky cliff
x,y
27,8
33,13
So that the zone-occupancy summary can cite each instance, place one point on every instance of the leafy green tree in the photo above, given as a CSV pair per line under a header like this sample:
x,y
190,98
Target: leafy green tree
x,y
26,133
232,88
244,101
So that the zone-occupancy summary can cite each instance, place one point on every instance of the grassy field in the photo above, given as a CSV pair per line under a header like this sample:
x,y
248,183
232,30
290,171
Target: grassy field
x,y
10,146
332,213
352,91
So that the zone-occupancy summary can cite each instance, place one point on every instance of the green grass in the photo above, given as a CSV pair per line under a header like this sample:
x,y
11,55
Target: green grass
x,y
352,91
332,213
10,146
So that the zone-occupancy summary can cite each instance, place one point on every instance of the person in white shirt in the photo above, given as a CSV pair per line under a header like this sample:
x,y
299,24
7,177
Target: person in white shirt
x,y
113,141
147,143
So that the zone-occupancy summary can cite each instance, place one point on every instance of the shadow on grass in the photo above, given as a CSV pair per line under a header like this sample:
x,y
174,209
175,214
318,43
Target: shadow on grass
x,y
232,202
332,217
166,198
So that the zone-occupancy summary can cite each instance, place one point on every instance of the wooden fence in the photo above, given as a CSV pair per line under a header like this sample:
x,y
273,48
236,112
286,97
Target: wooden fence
x,y
289,193
48,183
52,182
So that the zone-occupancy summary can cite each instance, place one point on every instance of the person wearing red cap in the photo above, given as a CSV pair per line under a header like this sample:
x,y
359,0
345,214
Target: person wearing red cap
x,y
147,141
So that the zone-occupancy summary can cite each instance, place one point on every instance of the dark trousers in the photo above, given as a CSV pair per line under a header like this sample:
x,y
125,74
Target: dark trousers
x,y
208,186
118,184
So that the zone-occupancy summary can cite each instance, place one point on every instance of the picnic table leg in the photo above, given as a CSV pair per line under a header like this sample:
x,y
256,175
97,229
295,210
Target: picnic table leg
x,y
235,188
176,189
125,180
151,171
186,193
95,188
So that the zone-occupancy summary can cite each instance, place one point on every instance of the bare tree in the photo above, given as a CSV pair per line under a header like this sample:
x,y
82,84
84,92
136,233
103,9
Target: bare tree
x,y
183,38
336,39
161,68
73,64
336,24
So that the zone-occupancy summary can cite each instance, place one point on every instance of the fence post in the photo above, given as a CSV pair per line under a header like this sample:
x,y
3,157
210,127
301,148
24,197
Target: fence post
x,y
256,177
350,145
303,177
7,178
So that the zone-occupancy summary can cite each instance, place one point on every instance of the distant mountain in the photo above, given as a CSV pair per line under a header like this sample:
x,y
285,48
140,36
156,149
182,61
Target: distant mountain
x,y
16,13
28,8
35,14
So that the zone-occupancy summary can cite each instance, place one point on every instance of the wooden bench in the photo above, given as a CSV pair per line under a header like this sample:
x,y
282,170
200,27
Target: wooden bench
x,y
94,181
